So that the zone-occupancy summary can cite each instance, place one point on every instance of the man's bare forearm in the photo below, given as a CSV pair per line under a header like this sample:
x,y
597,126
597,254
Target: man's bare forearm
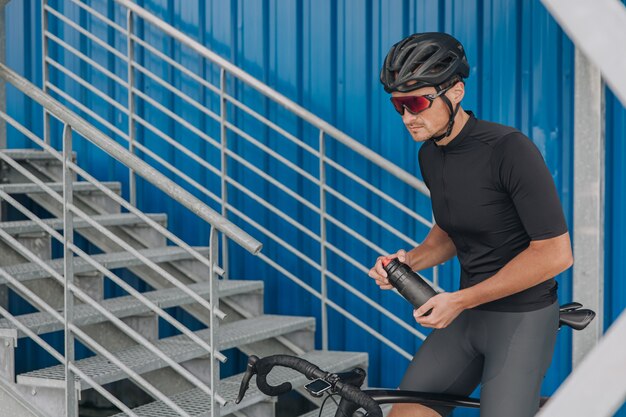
x,y
539,262
434,250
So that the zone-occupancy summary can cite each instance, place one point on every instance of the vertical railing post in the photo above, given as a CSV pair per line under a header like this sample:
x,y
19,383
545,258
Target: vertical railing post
x,y
213,322
224,160
323,260
132,179
71,403
44,67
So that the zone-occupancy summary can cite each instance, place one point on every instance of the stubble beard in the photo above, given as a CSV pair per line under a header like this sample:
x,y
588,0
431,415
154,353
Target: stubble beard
x,y
422,135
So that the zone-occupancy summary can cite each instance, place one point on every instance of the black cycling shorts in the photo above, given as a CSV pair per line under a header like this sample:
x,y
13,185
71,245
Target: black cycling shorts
x,y
507,353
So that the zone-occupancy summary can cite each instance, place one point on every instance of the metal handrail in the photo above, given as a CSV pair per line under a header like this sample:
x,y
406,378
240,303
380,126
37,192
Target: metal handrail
x,y
215,117
256,115
388,165
325,161
225,206
233,128
240,187
122,155
277,97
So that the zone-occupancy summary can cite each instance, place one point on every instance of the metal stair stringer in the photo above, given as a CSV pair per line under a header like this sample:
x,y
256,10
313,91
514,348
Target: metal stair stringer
x,y
16,403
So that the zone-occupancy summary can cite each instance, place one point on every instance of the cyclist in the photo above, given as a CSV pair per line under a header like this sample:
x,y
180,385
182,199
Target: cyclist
x,y
496,208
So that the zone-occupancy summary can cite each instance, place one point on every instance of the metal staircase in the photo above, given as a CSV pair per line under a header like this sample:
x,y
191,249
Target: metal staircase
x,y
123,331
41,392
134,368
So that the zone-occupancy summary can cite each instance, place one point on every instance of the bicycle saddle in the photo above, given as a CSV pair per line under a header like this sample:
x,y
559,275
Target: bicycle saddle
x,y
574,316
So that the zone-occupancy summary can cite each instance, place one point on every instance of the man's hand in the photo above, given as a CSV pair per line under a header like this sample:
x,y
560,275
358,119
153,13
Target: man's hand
x,y
445,308
378,272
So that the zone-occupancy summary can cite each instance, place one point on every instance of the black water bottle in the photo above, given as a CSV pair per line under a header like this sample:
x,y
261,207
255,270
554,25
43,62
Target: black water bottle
x,y
409,284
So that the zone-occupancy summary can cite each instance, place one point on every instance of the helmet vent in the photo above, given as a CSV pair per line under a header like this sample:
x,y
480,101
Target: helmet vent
x,y
442,65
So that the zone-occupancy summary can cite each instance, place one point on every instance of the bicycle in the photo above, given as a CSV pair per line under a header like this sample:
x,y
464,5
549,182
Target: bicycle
x,y
347,384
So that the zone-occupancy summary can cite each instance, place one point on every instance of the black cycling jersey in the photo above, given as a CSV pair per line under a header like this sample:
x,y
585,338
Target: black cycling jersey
x,y
492,193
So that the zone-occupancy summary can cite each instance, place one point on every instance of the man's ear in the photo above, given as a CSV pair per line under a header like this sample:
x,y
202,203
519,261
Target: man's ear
x,y
457,92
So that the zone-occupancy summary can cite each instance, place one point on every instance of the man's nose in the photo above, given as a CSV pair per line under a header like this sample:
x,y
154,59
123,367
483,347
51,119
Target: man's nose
x,y
408,117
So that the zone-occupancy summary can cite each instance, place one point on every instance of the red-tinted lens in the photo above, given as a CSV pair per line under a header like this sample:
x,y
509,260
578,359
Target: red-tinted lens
x,y
414,104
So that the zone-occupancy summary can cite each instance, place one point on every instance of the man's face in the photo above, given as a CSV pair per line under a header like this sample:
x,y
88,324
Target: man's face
x,y
430,122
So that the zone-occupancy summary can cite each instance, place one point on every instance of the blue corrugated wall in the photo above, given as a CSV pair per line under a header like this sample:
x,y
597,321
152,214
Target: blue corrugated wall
x,y
325,55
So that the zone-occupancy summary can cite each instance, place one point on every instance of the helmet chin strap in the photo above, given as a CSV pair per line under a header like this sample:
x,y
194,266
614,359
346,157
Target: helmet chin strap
x,y
453,113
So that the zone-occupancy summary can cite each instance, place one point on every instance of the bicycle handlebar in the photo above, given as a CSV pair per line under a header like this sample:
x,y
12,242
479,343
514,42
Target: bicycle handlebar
x,y
571,314
265,365
262,367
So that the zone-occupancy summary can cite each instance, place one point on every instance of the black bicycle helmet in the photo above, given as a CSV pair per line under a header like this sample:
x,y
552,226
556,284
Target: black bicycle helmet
x,y
423,60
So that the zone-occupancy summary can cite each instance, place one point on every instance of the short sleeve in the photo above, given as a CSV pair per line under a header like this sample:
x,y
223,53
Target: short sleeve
x,y
523,174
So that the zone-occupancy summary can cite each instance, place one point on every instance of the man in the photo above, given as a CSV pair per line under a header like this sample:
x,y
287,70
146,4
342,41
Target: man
x,y
497,209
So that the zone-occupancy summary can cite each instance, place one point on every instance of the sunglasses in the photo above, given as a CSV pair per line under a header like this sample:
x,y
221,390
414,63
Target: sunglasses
x,y
415,104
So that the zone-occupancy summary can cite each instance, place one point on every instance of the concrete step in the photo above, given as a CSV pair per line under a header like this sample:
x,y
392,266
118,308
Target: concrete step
x,y
330,408
197,403
107,220
78,186
30,271
121,307
179,348
33,160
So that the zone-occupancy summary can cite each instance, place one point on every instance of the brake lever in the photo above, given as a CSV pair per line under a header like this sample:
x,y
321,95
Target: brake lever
x,y
245,382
